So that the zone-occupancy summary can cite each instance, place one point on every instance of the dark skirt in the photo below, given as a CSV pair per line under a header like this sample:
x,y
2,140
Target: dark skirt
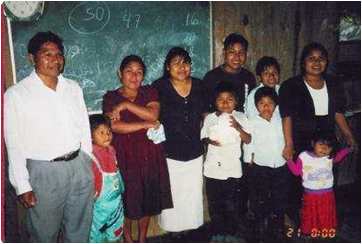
x,y
141,162
147,190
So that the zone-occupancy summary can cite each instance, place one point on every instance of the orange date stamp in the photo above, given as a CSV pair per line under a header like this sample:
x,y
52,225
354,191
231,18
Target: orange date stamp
x,y
315,233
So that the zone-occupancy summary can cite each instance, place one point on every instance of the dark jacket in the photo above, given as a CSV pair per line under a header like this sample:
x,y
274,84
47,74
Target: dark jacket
x,y
297,103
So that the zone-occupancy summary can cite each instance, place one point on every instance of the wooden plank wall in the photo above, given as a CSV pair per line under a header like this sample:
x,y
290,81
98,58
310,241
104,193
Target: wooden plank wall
x,y
278,29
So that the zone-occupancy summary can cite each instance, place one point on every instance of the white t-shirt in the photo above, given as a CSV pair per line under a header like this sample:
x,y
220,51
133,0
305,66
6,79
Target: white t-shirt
x,y
317,171
223,161
320,99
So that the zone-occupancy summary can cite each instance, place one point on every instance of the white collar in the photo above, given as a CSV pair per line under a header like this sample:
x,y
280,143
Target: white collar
x,y
266,121
276,86
40,83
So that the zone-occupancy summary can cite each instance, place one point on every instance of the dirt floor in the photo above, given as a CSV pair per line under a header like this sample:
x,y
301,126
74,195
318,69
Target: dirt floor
x,y
348,199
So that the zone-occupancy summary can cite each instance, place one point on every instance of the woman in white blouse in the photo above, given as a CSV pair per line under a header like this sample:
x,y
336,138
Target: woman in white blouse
x,y
309,102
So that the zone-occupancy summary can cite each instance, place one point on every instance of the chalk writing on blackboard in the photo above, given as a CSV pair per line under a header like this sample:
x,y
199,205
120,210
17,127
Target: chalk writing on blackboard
x,y
95,16
191,19
71,51
98,35
131,20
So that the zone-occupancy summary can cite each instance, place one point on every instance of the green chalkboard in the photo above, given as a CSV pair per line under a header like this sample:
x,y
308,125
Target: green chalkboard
x,y
97,35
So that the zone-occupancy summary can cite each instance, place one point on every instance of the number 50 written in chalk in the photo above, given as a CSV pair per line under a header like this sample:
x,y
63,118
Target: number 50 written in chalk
x,y
95,13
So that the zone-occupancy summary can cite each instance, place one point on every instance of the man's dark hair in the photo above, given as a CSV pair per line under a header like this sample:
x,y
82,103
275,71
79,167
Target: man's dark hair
x,y
264,63
96,120
266,92
132,58
235,38
40,38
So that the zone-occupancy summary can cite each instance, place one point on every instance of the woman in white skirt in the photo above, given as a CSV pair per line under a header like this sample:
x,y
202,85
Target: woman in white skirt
x,y
182,102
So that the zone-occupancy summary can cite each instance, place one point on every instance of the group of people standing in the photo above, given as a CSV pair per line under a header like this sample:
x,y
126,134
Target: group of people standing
x,y
153,144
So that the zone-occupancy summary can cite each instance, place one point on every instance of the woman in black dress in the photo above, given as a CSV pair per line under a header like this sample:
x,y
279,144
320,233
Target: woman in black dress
x,y
182,104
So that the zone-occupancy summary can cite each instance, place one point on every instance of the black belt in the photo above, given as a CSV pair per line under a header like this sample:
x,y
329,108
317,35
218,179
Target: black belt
x,y
66,157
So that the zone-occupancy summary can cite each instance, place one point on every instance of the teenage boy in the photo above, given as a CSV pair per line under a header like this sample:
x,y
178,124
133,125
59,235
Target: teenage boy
x,y
242,80
235,54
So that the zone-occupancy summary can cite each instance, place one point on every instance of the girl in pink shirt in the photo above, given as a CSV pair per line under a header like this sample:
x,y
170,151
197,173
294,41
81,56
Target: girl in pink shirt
x,y
318,214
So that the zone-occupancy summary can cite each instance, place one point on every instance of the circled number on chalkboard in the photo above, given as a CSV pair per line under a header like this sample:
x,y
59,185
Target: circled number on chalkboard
x,y
89,17
131,20
95,13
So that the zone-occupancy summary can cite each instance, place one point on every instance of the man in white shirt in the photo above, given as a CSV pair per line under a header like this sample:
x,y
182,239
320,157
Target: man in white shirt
x,y
48,141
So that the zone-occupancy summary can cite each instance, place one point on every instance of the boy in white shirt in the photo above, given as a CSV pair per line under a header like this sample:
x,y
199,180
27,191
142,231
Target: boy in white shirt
x,y
268,174
268,71
224,131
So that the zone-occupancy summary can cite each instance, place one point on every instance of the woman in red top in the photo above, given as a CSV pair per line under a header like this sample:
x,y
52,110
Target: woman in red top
x,y
133,109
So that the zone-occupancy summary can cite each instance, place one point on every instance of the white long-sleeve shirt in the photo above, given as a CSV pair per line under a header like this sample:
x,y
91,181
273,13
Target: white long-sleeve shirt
x,y
223,162
267,142
42,124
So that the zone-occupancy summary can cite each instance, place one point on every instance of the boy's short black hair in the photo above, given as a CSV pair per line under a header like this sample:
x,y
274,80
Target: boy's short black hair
x,y
96,120
266,92
266,62
40,38
235,38
225,87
